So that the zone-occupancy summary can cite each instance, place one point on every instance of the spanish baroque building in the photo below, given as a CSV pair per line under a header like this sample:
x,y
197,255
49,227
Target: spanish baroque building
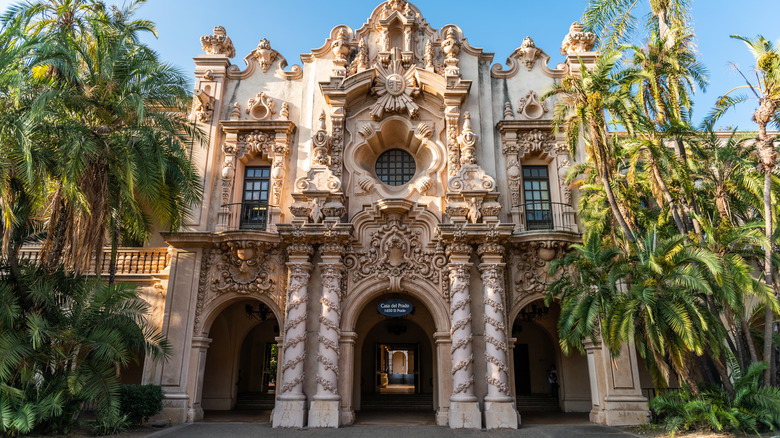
x,y
376,229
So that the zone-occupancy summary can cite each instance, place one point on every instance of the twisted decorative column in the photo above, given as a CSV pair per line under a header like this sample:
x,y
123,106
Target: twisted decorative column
x,y
290,409
464,409
324,410
499,409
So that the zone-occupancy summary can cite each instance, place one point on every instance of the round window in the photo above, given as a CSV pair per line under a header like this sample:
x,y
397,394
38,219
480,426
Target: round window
x,y
395,167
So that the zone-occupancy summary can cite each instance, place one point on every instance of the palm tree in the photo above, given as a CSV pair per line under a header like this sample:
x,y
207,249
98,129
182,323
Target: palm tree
x,y
63,341
116,123
615,22
581,104
767,93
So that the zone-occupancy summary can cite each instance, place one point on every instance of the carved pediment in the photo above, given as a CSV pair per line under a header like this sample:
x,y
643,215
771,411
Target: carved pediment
x,y
471,178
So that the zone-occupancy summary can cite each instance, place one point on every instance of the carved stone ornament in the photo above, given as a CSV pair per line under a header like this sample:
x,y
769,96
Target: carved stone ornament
x,y
360,62
530,107
260,107
395,88
243,267
531,261
471,178
508,113
537,141
395,251
235,112
578,41
468,142
264,54
529,53
340,48
320,142
319,179
450,46
218,44
204,106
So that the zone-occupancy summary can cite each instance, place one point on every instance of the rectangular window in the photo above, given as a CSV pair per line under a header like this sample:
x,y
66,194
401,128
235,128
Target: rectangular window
x,y
536,189
254,203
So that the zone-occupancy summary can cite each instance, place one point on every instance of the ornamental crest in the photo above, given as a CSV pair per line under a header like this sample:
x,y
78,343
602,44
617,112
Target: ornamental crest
x,y
395,252
532,259
245,267
396,89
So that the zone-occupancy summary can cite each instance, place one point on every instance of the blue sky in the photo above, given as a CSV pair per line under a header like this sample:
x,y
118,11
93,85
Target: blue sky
x,y
296,26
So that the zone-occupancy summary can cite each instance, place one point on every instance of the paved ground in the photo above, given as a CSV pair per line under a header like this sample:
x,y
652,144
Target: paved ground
x,y
237,430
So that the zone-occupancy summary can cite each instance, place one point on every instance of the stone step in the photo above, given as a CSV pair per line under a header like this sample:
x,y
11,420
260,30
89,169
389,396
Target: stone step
x,y
396,402
537,403
255,401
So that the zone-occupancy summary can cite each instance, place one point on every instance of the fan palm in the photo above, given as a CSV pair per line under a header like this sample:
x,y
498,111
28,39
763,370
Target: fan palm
x,y
62,343
614,20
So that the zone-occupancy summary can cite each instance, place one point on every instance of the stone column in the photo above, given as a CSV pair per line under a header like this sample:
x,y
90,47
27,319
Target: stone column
x,y
464,408
324,411
200,346
290,409
499,409
347,376
444,366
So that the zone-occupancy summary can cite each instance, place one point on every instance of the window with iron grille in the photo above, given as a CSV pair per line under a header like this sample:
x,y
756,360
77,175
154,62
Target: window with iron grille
x,y
254,203
395,167
536,190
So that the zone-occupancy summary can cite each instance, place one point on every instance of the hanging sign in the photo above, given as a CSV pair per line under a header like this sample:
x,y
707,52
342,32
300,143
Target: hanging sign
x,y
395,308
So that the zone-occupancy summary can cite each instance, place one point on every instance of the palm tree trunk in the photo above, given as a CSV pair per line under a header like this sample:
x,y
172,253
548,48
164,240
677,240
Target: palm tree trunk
x,y
749,341
115,242
769,319
668,195
605,181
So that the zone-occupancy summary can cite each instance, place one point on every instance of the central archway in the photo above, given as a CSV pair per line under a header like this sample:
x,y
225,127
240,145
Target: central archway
x,y
423,338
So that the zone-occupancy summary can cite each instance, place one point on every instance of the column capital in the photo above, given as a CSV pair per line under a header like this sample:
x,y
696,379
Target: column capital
x,y
491,252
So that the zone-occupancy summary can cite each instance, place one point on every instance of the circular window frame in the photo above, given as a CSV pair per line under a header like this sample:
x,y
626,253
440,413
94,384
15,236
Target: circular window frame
x,y
404,177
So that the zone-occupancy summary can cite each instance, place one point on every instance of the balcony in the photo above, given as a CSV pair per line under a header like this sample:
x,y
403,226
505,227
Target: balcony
x,y
547,216
243,216
129,261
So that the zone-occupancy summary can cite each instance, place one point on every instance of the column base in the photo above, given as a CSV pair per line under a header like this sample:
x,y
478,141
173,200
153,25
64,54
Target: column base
x,y
621,411
465,415
346,417
442,416
500,415
174,410
289,413
324,414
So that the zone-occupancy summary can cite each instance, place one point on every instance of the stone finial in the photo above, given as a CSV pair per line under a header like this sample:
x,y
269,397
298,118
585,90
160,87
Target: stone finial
x,y
428,55
218,44
508,114
321,142
468,142
264,54
340,46
450,46
578,41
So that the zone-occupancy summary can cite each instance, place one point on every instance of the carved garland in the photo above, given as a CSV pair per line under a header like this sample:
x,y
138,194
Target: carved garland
x,y
532,262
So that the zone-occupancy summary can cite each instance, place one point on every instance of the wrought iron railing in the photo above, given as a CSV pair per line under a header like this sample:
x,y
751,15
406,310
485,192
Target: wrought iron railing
x,y
548,216
244,216
129,261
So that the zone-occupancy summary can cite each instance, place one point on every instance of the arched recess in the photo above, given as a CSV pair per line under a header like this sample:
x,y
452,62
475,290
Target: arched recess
x,y
227,325
434,321
574,393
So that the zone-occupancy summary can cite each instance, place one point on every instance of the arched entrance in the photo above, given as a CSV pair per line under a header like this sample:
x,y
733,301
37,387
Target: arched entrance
x,y
240,371
538,360
395,363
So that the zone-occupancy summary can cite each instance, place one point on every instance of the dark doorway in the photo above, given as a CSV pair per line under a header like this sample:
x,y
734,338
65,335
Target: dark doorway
x,y
522,370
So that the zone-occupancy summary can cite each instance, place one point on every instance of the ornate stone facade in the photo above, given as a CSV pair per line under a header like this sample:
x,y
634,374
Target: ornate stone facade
x,y
301,235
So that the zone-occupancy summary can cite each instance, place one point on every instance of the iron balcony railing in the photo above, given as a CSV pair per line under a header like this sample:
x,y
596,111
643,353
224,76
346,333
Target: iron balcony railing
x,y
244,216
548,216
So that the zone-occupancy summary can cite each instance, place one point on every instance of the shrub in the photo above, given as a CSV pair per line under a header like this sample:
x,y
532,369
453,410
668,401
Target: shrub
x,y
140,402
751,408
